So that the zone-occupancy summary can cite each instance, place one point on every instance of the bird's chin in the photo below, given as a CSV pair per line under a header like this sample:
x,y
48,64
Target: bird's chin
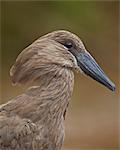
x,y
80,70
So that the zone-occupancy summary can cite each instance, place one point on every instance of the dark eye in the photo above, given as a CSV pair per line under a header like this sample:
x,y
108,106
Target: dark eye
x,y
68,45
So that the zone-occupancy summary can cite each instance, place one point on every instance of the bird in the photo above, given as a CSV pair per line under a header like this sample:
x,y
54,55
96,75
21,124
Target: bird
x,y
34,120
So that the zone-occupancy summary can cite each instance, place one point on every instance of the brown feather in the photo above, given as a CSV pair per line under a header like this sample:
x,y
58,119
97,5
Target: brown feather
x,y
34,119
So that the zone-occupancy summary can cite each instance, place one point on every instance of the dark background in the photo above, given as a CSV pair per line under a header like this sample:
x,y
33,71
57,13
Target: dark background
x,y
92,117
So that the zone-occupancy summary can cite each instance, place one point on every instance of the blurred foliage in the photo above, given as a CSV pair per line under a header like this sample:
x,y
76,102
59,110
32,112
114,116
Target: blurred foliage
x,y
92,120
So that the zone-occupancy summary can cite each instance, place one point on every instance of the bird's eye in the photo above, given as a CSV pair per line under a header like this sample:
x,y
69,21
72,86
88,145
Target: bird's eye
x,y
68,45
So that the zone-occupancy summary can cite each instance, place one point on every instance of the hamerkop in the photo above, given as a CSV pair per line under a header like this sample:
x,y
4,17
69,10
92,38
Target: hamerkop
x,y
34,120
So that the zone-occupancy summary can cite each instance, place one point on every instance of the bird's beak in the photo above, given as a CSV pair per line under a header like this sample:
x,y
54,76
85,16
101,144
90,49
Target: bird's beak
x,y
90,67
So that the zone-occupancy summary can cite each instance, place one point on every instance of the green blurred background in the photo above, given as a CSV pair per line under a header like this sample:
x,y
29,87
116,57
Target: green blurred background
x,y
92,117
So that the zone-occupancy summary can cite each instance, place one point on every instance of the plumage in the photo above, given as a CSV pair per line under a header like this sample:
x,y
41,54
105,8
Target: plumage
x,y
34,120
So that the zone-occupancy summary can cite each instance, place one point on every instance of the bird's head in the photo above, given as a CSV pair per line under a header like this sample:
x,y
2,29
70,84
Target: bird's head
x,y
62,48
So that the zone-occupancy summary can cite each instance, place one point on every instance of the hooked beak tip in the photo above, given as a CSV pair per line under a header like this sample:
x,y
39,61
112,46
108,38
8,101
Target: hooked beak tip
x,y
112,88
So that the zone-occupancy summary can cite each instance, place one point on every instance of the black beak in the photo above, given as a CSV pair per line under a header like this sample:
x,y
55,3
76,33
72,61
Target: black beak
x,y
89,66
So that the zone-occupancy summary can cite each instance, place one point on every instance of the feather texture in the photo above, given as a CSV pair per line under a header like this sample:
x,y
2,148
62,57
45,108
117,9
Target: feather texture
x,y
34,119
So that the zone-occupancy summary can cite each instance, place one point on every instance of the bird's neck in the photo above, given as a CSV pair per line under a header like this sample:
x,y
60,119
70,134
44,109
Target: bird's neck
x,y
55,91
